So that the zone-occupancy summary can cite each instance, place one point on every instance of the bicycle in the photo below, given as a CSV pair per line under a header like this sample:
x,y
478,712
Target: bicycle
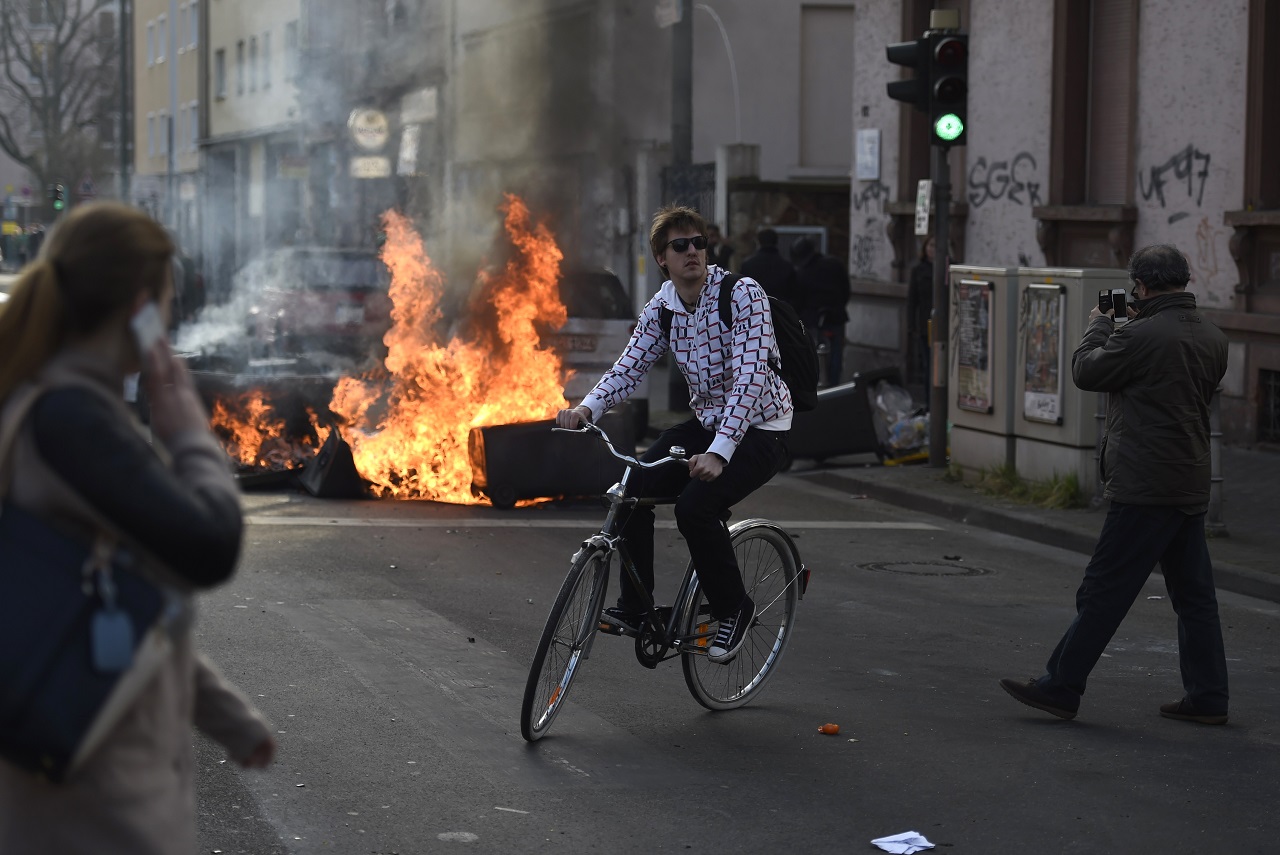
x,y
773,574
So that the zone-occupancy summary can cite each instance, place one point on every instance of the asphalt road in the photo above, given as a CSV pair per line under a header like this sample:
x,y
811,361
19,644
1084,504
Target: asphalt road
x,y
389,644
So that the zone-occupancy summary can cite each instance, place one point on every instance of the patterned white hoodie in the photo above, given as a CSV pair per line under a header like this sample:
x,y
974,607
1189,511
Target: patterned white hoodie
x,y
731,385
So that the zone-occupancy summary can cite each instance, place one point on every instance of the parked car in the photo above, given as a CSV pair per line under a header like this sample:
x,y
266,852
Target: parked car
x,y
305,300
601,320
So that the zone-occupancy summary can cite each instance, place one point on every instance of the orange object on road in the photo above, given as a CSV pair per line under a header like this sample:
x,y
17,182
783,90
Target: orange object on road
x,y
829,728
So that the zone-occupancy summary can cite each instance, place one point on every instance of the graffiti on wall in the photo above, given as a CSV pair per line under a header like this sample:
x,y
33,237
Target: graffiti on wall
x,y
874,193
1013,180
864,247
1189,165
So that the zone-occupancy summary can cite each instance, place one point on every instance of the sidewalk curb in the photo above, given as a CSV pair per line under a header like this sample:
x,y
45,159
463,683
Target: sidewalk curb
x,y
1228,577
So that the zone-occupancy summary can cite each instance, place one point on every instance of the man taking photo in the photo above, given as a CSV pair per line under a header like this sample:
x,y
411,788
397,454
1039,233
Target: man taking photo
x,y
1159,371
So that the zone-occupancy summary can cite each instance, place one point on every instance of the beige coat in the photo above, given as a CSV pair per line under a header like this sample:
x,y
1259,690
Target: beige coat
x,y
135,795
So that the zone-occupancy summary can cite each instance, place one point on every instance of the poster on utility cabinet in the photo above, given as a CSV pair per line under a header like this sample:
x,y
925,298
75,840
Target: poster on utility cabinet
x,y
1042,344
973,345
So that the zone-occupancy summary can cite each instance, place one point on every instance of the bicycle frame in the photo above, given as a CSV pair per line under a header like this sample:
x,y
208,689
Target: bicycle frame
x,y
612,542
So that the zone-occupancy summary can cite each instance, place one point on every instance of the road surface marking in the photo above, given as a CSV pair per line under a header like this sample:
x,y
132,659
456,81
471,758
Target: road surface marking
x,y
582,524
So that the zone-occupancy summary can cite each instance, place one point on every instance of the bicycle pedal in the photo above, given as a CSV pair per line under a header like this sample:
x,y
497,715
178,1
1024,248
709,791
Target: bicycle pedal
x,y
610,629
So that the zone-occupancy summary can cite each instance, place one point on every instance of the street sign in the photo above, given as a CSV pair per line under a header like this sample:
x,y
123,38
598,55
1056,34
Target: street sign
x,y
923,191
370,167
87,189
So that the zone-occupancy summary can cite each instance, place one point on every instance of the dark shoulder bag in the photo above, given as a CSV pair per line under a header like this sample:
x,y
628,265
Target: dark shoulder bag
x,y
81,633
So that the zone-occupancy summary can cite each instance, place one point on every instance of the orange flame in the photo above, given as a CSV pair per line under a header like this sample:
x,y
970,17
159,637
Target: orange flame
x,y
252,434
416,444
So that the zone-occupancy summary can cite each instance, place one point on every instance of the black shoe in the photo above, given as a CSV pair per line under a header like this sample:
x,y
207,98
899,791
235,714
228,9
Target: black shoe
x,y
731,635
1183,711
1033,694
619,621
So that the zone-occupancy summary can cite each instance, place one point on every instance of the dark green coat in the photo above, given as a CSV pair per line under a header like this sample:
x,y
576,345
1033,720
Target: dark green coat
x,y
1160,371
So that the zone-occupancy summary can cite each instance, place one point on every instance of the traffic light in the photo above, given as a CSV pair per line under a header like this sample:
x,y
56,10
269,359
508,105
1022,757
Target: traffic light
x,y
914,55
58,194
948,88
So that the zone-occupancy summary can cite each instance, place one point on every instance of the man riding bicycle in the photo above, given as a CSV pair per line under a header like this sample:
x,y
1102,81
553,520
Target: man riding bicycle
x,y
736,438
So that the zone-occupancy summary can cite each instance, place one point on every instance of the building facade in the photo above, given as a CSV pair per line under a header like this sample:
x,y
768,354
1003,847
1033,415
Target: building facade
x,y
1095,127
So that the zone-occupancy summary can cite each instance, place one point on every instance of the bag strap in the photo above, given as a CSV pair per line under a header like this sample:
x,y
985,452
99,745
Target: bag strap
x,y
16,415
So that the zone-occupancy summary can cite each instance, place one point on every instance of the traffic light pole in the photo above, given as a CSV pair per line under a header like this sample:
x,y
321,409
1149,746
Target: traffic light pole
x,y
939,321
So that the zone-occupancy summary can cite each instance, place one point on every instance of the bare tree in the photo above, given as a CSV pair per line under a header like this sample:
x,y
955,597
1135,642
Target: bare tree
x,y
57,84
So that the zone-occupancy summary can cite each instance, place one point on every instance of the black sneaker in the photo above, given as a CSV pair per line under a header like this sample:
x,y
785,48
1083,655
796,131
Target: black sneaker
x,y
620,621
1033,694
731,635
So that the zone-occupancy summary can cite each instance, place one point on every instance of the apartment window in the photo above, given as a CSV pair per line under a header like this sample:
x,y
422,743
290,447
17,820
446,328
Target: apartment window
x,y
220,73
179,129
240,67
107,26
1090,217
151,134
151,43
38,13
162,36
194,124
39,52
291,50
253,63
181,27
193,25
266,60
162,129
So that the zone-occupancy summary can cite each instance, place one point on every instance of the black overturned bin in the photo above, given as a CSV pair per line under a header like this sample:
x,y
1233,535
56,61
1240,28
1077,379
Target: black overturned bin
x,y
528,460
842,423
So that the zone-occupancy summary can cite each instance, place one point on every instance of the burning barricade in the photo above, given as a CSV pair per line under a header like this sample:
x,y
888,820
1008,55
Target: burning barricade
x,y
410,423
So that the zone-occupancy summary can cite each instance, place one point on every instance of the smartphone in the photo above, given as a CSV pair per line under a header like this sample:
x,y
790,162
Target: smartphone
x,y
1118,296
1104,301
147,326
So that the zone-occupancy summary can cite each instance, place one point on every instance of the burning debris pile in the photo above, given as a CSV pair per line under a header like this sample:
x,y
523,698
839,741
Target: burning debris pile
x,y
408,422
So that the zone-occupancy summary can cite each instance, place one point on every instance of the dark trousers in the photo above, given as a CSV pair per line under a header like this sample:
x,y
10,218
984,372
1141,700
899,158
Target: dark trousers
x,y
758,457
1133,539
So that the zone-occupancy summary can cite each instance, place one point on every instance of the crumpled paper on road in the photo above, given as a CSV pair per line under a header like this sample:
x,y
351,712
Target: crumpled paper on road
x,y
904,843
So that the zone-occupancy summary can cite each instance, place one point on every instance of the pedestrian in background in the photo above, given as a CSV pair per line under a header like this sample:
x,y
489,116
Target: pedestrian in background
x,y
919,309
718,252
824,296
1159,370
767,266
81,462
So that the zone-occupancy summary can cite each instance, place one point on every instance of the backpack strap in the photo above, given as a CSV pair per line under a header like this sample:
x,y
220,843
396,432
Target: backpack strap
x,y
726,299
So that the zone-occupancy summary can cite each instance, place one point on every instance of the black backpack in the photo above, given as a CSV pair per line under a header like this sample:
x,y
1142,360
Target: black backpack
x,y
799,368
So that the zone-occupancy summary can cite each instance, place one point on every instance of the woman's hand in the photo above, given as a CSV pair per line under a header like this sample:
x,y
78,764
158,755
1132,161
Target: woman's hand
x,y
261,756
171,394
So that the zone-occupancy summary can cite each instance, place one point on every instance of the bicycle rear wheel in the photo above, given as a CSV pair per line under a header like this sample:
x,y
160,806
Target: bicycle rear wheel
x,y
566,641
770,575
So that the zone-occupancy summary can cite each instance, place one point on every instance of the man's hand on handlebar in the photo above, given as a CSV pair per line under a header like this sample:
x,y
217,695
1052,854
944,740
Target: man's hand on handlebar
x,y
706,467
574,418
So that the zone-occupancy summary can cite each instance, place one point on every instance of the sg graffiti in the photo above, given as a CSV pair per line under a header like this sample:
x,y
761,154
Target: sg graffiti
x,y
1003,179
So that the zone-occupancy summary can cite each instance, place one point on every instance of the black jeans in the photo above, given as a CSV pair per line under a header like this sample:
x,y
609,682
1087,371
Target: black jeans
x,y
758,457
1133,539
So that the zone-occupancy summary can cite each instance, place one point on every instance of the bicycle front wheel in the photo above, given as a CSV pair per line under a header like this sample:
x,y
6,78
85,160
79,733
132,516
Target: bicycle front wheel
x,y
771,577
566,641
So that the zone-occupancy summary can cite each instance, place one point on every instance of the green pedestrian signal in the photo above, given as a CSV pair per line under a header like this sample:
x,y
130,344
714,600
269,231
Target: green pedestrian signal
x,y
948,127
58,194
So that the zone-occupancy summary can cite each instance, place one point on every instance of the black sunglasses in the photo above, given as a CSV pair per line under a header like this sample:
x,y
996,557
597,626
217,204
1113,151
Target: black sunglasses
x,y
682,244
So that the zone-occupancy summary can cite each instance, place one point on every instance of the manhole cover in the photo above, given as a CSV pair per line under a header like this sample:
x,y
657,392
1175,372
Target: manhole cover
x,y
926,568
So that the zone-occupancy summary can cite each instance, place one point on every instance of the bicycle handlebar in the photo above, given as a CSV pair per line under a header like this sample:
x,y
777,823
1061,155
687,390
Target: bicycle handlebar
x,y
677,454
